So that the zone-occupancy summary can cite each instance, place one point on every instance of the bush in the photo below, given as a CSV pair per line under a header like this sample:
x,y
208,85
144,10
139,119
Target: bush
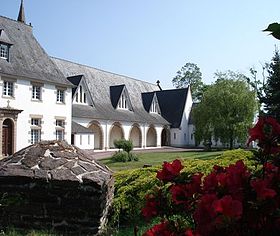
x,y
120,156
131,186
123,144
132,157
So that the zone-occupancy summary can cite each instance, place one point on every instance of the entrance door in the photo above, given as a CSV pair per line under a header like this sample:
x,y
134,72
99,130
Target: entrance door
x,y
7,137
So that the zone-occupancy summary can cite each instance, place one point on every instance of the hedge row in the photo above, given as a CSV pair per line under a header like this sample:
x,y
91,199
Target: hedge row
x,y
131,186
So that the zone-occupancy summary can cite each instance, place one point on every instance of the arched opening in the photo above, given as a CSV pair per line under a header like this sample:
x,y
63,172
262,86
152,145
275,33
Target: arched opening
x,y
98,135
135,135
151,140
165,137
7,137
116,133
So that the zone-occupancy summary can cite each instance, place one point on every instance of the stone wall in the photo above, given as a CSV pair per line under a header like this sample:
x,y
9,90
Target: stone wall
x,y
55,190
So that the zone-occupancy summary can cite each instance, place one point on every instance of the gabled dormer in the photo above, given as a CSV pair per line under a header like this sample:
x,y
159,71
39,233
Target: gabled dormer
x,y
120,97
150,102
154,108
5,44
80,91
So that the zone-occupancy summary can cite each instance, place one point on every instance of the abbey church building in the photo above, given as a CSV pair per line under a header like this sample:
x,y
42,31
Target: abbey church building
x,y
47,98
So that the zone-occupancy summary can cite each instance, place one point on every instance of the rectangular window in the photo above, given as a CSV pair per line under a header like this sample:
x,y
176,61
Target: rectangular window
x,y
35,130
59,135
185,136
60,95
35,136
8,88
36,92
36,122
174,135
59,123
59,132
4,51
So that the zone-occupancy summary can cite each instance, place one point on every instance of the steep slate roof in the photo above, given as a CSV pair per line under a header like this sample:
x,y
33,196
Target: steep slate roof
x,y
27,58
147,99
172,105
77,128
115,93
4,38
99,83
75,80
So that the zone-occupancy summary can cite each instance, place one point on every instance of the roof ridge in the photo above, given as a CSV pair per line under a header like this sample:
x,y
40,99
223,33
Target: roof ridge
x,y
18,22
103,70
173,89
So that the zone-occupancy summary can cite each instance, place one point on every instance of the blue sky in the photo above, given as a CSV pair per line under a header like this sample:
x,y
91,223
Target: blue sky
x,y
153,39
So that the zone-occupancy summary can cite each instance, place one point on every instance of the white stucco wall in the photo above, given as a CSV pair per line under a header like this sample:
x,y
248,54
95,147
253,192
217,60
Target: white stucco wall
x,y
47,108
106,127
84,140
180,136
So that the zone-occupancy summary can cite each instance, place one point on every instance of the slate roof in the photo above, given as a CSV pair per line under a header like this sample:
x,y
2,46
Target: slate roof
x,y
115,93
147,99
77,128
75,80
99,83
172,104
27,58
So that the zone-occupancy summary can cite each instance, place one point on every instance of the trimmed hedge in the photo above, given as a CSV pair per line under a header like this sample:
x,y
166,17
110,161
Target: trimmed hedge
x,y
131,186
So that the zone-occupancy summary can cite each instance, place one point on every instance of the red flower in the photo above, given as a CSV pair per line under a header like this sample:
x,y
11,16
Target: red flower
x,y
205,213
266,131
161,229
151,208
262,190
170,170
228,207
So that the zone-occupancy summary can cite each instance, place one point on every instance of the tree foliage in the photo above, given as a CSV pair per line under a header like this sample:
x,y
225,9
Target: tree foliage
x,y
190,75
274,28
271,98
226,110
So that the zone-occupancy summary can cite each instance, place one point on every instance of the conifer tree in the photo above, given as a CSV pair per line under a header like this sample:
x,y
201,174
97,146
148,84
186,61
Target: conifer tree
x,y
271,99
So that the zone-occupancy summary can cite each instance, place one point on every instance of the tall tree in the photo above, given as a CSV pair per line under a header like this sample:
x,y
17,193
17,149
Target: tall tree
x,y
271,97
190,75
226,110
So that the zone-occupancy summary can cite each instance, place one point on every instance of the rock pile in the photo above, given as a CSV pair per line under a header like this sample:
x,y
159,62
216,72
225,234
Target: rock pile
x,y
54,186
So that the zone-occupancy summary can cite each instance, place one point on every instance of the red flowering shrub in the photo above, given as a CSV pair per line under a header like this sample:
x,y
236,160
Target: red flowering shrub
x,y
228,201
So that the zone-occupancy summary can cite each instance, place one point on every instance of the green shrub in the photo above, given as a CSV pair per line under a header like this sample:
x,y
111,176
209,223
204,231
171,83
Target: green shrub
x,y
123,144
132,157
119,143
131,186
120,156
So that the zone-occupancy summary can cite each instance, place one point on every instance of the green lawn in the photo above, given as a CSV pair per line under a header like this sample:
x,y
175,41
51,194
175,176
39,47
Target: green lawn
x,y
157,158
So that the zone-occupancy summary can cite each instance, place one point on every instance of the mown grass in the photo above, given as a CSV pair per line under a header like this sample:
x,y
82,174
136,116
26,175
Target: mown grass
x,y
157,158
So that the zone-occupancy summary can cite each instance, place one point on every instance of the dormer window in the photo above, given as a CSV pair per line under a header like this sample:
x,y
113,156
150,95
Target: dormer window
x,y
81,95
120,97
122,102
4,51
154,108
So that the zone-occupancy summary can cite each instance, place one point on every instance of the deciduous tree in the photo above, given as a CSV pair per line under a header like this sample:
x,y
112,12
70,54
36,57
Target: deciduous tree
x,y
226,110
190,75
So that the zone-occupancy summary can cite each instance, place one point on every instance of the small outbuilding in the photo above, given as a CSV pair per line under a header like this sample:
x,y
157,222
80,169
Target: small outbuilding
x,y
54,186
